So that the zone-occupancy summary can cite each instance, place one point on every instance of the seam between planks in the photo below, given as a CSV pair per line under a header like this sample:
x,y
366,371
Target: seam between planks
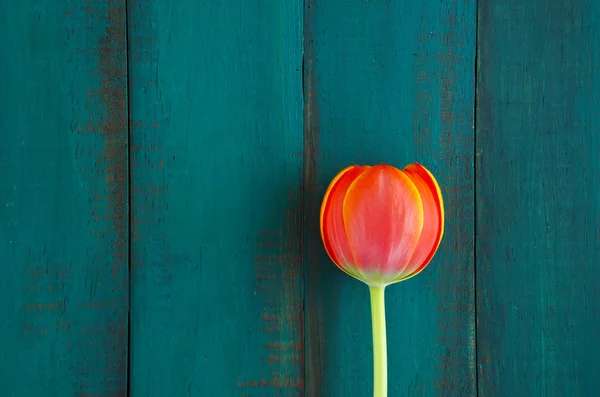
x,y
129,190
311,365
475,208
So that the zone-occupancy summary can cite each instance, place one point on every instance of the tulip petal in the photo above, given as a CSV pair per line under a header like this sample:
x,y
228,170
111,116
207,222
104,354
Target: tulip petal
x,y
433,212
333,232
327,196
383,217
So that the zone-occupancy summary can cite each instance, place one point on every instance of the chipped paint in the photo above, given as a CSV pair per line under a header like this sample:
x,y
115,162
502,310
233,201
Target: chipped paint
x,y
278,280
315,351
456,307
113,125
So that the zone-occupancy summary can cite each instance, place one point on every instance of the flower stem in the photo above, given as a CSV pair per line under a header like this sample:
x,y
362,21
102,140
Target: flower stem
x,y
379,341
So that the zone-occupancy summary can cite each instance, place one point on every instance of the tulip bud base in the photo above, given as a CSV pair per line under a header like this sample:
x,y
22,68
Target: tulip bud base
x,y
379,341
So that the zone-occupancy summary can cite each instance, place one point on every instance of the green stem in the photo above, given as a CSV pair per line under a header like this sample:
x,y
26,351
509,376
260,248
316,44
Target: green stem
x,y
379,341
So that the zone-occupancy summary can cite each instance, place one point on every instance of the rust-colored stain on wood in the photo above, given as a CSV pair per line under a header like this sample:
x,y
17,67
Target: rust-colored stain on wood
x,y
315,350
112,93
456,309
113,126
278,269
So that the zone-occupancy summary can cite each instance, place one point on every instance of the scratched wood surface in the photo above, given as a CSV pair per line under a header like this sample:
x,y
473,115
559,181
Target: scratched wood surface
x,y
392,82
240,115
216,116
63,199
538,207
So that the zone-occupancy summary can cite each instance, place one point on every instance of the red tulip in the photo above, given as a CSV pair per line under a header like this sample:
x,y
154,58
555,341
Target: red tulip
x,y
382,225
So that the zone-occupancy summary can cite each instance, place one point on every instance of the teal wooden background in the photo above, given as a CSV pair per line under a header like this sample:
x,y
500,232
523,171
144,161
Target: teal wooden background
x,y
163,162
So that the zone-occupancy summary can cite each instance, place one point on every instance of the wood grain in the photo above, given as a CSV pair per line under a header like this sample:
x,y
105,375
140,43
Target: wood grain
x,y
538,208
216,107
392,82
63,199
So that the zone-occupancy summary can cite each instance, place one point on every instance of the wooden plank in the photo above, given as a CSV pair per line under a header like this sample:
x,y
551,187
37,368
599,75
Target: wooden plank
x,y
538,208
63,199
216,102
392,82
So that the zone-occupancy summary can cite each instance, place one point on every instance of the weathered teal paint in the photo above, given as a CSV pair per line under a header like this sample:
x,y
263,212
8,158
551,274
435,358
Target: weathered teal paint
x,y
63,199
392,83
216,115
241,112
538,206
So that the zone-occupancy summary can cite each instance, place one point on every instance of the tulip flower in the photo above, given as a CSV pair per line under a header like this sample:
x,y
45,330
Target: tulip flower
x,y
382,225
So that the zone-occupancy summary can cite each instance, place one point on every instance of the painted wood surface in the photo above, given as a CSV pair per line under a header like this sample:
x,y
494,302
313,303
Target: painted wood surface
x,y
216,122
240,115
392,82
63,199
538,207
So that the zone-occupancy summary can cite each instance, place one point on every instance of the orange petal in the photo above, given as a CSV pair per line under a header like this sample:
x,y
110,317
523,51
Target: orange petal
x,y
326,197
332,222
383,217
433,212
